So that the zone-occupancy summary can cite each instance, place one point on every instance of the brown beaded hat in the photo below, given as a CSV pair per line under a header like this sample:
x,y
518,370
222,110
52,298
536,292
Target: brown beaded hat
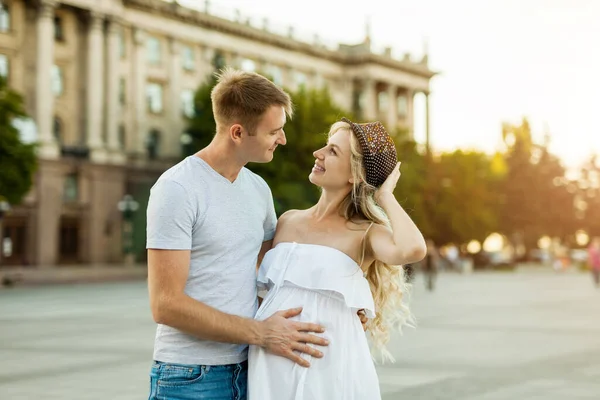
x,y
378,149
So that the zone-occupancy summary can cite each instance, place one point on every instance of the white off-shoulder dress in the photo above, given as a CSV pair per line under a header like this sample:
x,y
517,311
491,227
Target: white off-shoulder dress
x,y
331,288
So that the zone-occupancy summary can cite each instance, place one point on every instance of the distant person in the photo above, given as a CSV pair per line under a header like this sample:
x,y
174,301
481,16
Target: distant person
x,y
453,256
430,265
594,259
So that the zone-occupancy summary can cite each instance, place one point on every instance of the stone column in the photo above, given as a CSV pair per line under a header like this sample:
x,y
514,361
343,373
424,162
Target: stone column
x,y
370,101
49,187
410,112
172,138
392,107
427,132
95,83
44,108
139,93
106,189
113,75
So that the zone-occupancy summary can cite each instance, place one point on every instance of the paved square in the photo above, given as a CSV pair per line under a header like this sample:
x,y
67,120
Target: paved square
x,y
486,336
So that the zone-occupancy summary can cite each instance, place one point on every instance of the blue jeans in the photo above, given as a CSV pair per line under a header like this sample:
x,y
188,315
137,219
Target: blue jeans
x,y
198,382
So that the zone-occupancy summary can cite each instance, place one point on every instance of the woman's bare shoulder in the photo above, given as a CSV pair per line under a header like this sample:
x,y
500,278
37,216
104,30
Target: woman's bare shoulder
x,y
289,214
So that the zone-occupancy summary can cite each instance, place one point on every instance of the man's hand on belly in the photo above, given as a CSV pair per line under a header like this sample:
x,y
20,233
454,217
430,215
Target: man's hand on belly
x,y
281,336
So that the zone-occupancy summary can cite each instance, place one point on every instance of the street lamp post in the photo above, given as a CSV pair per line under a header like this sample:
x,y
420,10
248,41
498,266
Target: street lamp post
x,y
4,208
128,206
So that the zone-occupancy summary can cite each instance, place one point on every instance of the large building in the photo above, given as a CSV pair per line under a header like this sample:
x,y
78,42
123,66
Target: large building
x,y
110,83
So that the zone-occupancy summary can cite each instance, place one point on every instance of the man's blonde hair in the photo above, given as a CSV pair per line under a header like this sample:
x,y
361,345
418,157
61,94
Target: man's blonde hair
x,y
243,97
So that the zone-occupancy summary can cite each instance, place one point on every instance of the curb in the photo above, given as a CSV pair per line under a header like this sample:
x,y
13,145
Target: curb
x,y
27,277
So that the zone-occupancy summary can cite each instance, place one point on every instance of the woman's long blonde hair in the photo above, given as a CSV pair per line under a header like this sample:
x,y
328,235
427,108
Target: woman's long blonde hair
x,y
388,284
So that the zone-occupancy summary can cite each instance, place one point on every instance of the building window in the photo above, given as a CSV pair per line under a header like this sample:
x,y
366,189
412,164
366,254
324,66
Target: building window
x,y
299,78
154,50
154,96
152,144
122,138
382,101
319,81
58,29
4,18
218,60
362,100
402,104
4,66
122,91
248,65
276,75
71,188
57,130
121,44
356,101
57,81
189,61
187,103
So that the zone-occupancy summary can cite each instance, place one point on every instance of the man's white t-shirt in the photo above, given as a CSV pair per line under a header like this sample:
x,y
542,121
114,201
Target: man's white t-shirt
x,y
223,224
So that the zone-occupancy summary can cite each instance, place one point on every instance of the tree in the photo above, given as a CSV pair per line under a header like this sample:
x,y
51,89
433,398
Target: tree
x,y
18,161
458,197
411,188
587,200
534,199
202,126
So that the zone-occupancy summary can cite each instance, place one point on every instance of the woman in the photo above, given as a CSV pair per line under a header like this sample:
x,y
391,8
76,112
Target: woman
x,y
338,257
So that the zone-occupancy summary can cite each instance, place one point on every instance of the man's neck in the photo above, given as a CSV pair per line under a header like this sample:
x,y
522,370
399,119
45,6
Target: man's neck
x,y
222,158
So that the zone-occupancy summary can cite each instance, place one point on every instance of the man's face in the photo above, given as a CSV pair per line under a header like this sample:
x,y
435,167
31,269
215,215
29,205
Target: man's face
x,y
268,135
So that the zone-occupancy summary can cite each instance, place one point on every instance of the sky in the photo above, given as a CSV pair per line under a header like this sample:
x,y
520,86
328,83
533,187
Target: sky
x,y
498,61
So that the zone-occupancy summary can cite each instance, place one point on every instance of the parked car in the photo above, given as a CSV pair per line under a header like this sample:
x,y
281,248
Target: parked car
x,y
579,256
493,260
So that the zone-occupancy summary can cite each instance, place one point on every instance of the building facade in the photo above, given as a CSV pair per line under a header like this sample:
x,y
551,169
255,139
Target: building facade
x,y
110,83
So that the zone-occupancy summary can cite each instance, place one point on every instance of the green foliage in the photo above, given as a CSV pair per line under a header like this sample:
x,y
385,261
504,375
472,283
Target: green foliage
x,y
463,187
534,202
202,127
17,160
587,193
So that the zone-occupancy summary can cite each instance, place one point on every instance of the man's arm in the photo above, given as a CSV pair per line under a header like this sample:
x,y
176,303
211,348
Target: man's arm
x,y
167,276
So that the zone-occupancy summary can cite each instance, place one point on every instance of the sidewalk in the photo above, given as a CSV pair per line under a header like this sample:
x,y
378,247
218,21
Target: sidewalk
x,y
33,276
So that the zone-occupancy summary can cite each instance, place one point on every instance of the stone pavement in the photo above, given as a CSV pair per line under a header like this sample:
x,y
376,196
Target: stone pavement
x,y
488,336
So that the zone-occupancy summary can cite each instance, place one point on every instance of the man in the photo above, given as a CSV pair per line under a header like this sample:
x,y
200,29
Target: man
x,y
210,220
430,265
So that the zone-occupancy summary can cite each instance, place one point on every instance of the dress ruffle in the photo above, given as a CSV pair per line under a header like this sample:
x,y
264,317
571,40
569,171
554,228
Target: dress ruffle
x,y
316,267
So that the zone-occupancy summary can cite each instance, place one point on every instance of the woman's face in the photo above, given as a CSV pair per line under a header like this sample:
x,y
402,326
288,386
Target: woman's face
x,y
332,168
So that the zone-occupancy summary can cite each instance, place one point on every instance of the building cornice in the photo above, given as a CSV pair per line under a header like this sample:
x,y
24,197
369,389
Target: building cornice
x,y
194,17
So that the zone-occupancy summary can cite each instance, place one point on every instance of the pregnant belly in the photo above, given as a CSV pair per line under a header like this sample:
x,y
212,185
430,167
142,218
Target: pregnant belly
x,y
322,307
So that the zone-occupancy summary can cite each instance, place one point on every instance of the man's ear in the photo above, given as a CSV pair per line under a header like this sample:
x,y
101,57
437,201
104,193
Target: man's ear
x,y
235,132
